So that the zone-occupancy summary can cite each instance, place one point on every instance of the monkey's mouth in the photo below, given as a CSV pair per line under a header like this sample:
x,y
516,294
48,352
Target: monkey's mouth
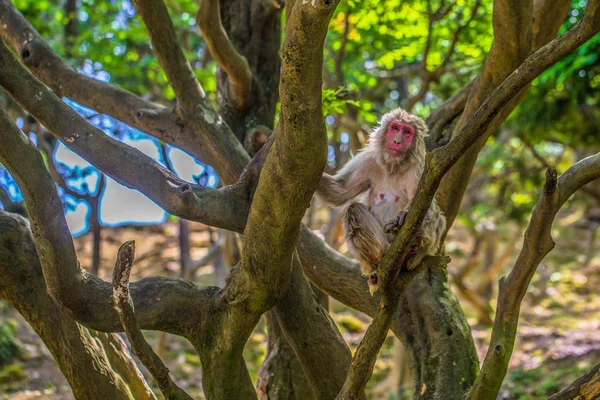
x,y
394,152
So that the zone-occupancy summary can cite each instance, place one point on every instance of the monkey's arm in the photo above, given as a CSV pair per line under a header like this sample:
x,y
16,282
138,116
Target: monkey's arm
x,y
434,226
348,183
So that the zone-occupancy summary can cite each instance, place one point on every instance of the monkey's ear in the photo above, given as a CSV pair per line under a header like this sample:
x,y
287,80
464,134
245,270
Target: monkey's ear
x,y
421,126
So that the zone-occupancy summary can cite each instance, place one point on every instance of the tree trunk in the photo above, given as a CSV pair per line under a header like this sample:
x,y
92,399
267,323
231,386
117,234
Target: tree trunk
x,y
432,326
281,376
255,32
256,35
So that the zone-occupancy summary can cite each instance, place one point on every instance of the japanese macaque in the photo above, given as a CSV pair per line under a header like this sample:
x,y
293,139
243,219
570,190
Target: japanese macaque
x,y
380,182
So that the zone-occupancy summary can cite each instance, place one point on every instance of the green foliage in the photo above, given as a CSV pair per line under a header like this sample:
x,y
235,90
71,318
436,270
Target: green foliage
x,y
350,323
9,347
12,373
541,382
562,103
386,36
334,101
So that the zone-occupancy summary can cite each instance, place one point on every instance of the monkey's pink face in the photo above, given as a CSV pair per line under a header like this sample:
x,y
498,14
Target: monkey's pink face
x,y
399,137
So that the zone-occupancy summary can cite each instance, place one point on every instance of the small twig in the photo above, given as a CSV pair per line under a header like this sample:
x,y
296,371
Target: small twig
x,y
140,347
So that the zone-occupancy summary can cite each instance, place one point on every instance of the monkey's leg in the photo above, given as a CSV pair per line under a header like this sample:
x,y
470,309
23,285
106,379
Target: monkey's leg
x,y
429,236
366,239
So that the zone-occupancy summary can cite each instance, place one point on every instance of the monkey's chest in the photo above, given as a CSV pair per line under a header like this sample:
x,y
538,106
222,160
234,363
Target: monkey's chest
x,y
385,203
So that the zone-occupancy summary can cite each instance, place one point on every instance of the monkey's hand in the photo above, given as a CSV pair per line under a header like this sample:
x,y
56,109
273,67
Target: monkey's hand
x,y
393,227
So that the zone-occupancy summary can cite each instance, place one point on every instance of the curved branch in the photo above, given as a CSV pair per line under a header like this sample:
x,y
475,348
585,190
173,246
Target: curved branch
x,y
121,162
39,57
536,245
222,148
162,303
220,47
515,37
90,362
166,46
531,68
124,306
217,146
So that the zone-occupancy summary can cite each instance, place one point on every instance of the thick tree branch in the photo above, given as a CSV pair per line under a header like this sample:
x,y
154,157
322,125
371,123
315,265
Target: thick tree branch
x,y
536,245
39,57
365,356
223,51
204,136
166,46
310,330
162,303
586,387
140,347
86,362
294,162
514,40
223,149
548,16
119,161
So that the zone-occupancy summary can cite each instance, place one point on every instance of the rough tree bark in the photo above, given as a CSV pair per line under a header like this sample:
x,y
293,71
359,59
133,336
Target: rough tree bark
x,y
85,358
245,43
222,321
244,299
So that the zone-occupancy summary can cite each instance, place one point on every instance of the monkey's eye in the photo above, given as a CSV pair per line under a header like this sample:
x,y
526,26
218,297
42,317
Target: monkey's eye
x,y
395,127
407,131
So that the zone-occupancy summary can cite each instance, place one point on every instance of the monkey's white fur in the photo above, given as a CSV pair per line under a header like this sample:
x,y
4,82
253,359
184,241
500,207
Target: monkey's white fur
x,y
383,186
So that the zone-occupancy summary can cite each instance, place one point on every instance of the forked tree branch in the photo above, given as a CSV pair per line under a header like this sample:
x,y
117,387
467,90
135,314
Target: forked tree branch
x,y
140,347
205,136
123,163
85,296
222,148
536,245
223,51
438,163
92,362
519,29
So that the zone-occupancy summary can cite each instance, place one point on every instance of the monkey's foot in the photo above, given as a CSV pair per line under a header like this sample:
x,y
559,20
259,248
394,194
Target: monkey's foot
x,y
394,225
373,284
